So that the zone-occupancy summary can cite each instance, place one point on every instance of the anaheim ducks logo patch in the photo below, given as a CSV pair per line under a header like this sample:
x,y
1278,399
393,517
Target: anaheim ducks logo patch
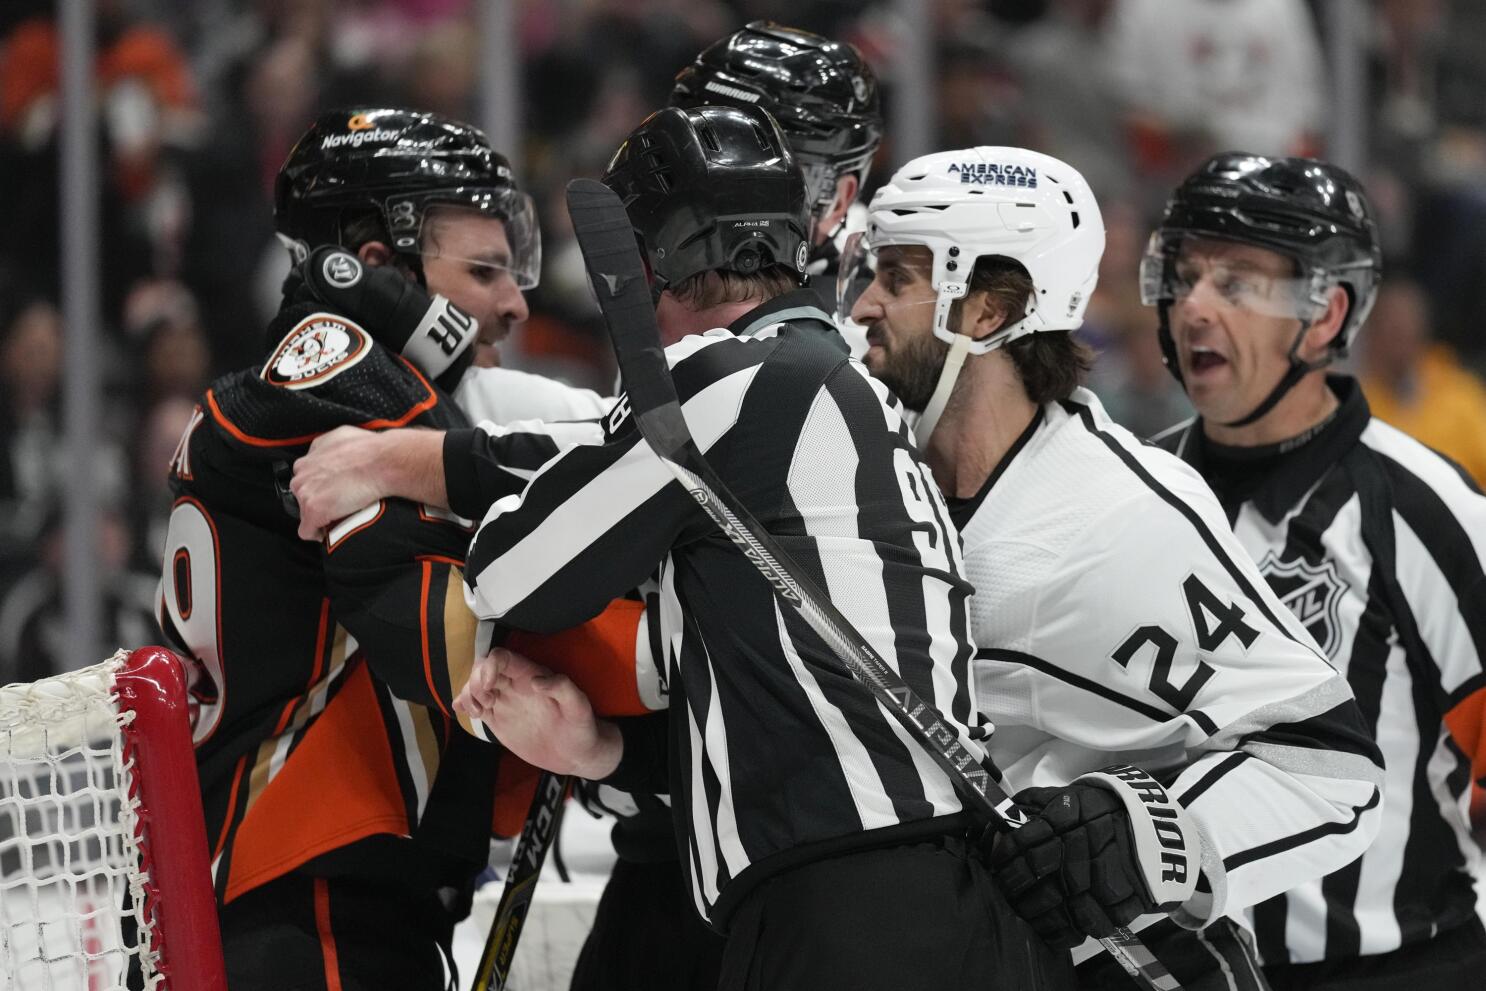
x,y
320,347
1313,592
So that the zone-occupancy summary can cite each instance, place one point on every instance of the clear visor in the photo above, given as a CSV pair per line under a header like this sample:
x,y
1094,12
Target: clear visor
x,y
518,254
861,269
1167,275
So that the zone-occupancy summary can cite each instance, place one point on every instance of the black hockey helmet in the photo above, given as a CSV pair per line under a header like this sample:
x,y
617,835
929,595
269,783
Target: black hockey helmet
x,y
822,93
398,162
1309,210
712,188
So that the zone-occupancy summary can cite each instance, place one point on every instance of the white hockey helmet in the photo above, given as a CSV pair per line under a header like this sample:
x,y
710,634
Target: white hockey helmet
x,y
965,205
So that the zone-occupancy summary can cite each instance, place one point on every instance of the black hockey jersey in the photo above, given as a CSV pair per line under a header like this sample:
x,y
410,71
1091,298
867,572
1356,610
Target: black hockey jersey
x,y
325,673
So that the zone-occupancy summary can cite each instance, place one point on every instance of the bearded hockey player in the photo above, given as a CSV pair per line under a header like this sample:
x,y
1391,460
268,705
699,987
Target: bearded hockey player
x,y
1263,271
1117,619
348,807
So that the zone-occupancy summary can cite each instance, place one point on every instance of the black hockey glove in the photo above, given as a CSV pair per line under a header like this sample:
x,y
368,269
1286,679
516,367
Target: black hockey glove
x,y
1096,854
429,331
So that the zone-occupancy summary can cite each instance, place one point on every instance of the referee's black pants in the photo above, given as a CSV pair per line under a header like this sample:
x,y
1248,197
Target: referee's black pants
x,y
1454,960
647,936
924,915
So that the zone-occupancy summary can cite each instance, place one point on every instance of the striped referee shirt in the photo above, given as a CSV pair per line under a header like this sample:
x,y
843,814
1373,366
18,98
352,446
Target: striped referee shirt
x,y
777,756
1377,544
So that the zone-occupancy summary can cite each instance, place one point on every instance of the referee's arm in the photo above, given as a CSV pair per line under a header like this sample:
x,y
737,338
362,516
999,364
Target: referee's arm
x,y
1439,531
590,525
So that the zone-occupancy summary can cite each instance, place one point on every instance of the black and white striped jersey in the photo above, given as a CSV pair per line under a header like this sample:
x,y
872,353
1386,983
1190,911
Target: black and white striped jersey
x,y
1119,621
777,756
1377,544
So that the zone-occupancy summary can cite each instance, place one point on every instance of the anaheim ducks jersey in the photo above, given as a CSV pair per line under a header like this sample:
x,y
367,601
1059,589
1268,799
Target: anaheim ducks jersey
x,y
1120,621
325,672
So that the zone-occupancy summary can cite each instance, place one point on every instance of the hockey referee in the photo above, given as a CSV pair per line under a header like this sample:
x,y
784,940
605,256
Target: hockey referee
x,y
1263,270
818,836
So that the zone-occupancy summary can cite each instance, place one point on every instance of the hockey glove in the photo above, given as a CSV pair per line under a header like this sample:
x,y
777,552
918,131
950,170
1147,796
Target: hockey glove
x,y
431,332
1094,855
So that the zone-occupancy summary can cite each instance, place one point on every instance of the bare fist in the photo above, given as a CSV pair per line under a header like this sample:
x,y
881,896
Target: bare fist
x,y
541,717
336,478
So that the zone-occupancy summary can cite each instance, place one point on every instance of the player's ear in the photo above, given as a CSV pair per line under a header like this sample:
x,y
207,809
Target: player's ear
x,y
847,187
374,253
1324,328
984,315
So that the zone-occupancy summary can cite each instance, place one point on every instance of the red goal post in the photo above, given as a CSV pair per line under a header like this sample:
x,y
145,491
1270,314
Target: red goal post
x,y
103,851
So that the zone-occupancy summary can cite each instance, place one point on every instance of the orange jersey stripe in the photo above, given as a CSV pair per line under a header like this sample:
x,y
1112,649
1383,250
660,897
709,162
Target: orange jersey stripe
x,y
599,656
327,937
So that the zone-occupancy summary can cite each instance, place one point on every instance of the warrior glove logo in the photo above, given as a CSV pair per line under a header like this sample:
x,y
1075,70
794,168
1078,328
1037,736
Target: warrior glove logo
x,y
1313,592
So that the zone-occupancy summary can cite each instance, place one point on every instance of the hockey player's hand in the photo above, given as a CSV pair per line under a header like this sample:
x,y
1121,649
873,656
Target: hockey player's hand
x,y
349,469
336,478
540,716
1095,856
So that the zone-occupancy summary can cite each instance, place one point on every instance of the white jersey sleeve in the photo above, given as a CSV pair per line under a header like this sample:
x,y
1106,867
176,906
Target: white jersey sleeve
x,y
1131,627
505,395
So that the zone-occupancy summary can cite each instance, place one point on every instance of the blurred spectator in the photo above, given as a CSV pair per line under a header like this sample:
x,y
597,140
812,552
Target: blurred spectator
x,y
443,70
33,631
1418,386
1201,76
30,373
150,504
1074,115
148,104
32,470
1130,377
161,319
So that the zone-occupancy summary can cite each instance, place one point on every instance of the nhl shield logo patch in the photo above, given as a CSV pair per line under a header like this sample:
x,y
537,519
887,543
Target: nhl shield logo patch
x,y
321,346
1312,592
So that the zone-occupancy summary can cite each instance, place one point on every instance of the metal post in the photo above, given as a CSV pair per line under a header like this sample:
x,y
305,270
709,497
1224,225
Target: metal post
x,y
1346,38
915,123
500,77
81,589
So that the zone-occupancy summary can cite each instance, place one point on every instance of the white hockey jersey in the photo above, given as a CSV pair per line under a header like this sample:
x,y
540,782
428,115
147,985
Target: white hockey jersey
x,y
1119,620
505,395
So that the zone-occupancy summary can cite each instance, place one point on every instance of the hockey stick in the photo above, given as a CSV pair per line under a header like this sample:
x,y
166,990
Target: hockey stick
x,y
521,882
607,242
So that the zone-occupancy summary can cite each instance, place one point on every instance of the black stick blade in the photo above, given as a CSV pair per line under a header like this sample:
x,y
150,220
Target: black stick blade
x,y
617,273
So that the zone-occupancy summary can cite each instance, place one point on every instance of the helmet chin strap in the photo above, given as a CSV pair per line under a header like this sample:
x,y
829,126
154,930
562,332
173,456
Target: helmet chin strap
x,y
953,362
960,345
1298,369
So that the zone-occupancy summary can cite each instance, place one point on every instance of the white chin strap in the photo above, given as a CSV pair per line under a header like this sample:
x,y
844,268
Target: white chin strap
x,y
953,362
960,345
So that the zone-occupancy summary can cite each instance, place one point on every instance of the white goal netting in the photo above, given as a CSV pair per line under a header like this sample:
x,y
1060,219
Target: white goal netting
x,y
72,897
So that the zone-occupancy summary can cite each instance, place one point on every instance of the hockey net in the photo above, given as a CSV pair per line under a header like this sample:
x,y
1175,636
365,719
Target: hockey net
x,y
103,861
